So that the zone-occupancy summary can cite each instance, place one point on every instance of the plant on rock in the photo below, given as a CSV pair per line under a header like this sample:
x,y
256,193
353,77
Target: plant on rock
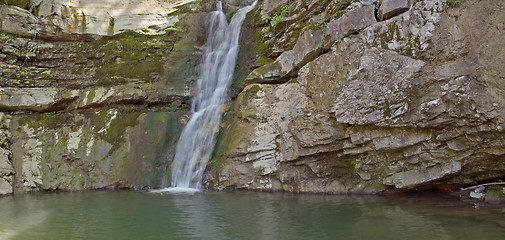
x,y
279,16
453,3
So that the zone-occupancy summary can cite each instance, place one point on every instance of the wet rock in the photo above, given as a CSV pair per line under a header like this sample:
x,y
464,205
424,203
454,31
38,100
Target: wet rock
x,y
91,148
351,22
480,189
5,186
477,195
391,8
5,165
80,101
413,178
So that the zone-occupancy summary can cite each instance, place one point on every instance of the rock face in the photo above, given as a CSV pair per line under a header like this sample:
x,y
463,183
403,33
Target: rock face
x,y
334,98
411,102
18,3
110,17
391,8
84,111
351,22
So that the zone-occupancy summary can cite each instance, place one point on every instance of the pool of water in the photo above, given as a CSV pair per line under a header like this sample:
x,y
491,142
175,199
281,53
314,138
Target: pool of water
x,y
243,215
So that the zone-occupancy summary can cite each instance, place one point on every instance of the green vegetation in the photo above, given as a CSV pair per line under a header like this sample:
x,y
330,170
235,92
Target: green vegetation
x,y
8,35
411,46
276,18
453,3
321,25
392,30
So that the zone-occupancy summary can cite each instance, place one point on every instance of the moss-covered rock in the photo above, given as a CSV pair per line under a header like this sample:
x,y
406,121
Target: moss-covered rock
x,y
94,148
19,3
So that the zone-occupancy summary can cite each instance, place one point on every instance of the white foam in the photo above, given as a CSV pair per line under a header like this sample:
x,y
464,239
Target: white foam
x,y
176,190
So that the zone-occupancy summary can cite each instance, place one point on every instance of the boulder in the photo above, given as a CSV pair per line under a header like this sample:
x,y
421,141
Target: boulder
x,y
35,99
391,8
307,48
19,21
351,22
477,195
269,73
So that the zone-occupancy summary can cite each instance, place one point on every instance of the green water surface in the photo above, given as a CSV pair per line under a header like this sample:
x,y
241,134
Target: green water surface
x,y
243,215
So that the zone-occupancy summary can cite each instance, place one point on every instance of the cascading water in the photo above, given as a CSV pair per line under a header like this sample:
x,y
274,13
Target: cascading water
x,y
197,140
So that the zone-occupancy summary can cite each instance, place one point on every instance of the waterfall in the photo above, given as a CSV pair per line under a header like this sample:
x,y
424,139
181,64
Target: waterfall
x,y
197,140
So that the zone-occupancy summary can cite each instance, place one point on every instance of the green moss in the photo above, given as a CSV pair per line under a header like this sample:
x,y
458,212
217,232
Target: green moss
x,y
251,92
37,121
320,26
113,122
130,55
313,27
263,48
218,153
495,192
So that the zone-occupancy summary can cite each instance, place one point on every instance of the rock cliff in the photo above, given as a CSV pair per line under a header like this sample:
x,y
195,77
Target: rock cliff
x,y
330,96
368,96
87,105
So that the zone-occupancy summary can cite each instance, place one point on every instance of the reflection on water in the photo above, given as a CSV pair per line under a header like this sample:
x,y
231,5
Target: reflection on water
x,y
18,217
243,215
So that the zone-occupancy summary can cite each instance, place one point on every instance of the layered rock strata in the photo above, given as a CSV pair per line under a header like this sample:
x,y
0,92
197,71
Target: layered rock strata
x,y
88,111
410,101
